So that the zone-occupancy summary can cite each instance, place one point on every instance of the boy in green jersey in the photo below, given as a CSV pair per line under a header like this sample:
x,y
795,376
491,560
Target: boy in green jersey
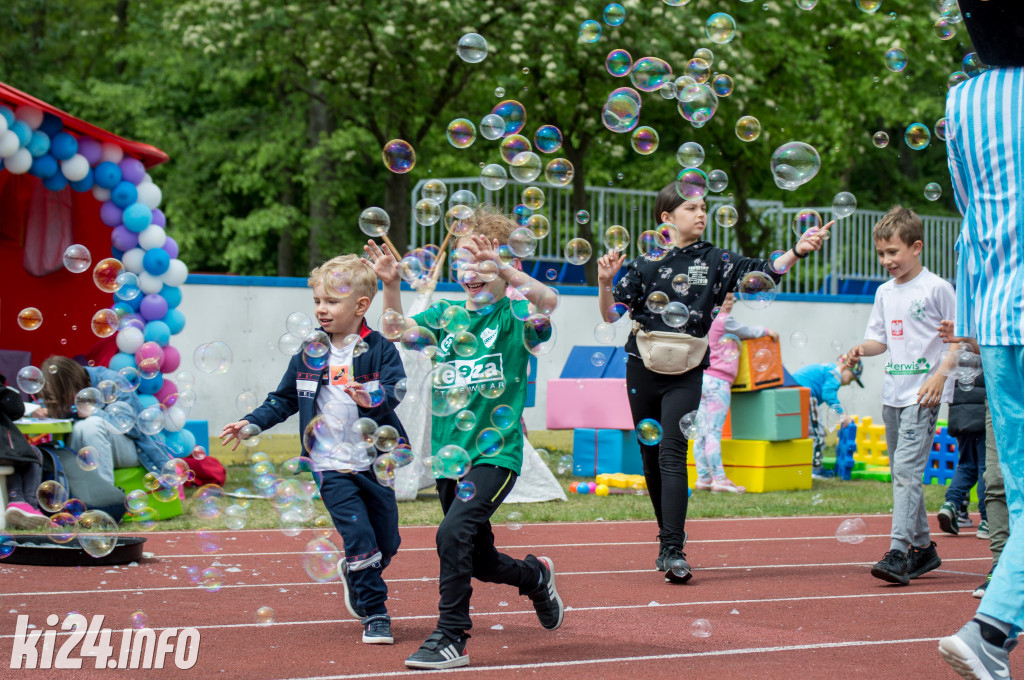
x,y
478,395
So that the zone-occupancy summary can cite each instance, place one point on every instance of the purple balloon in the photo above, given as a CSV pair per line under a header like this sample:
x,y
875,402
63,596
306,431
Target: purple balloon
x,y
124,238
91,149
171,246
132,170
110,214
153,307
159,219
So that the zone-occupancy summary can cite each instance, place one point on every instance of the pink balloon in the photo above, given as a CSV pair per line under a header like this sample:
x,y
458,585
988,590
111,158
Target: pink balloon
x,y
149,357
165,391
172,359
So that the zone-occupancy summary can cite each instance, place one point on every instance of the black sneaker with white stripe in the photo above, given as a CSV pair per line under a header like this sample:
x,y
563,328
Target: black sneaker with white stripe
x,y
439,652
350,603
545,598
377,630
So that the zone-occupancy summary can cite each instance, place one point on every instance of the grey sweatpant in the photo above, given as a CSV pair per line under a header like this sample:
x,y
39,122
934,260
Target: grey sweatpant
x,y
909,433
995,493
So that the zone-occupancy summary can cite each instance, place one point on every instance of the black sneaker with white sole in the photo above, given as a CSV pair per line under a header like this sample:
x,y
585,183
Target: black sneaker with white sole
x,y
892,567
677,569
439,652
545,598
350,603
377,630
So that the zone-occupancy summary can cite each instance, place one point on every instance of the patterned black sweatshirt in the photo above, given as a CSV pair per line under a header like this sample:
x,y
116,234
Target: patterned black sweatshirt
x,y
712,272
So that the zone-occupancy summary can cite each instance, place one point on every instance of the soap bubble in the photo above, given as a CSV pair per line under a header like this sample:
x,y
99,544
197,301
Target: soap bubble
x,y
465,491
762,360
88,401
472,48
700,628
618,63
852,530
616,238
697,103
590,31
621,110
794,164
96,532
720,28
690,154
880,139
675,314
843,205
798,339
559,172
932,191
895,59
726,216
722,85
213,358
492,126
30,380
514,115
265,616
731,347
748,128
525,166
806,220
718,180
52,496
644,140
514,521
756,290
649,432
548,139
693,424
30,318
650,73
917,136
692,184
77,258
399,156
578,251
493,176
374,221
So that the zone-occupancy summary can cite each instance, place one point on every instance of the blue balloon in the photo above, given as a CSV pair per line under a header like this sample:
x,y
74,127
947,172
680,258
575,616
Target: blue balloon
x,y
173,296
124,194
56,182
122,360
22,130
148,400
39,144
158,332
114,252
156,261
51,124
8,115
151,385
85,183
175,321
135,302
63,146
122,308
137,217
44,166
108,174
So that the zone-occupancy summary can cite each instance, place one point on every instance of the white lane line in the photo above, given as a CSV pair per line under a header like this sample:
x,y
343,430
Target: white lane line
x,y
432,579
630,659
629,607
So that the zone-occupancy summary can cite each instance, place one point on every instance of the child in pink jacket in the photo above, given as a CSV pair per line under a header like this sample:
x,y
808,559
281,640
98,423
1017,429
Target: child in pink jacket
x,y
716,394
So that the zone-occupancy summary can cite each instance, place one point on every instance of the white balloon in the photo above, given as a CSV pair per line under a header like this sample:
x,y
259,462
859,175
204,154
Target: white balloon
x,y
176,273
100,194
3,125
33,115
111,152
133,260
150,284
9,143
152,237
150,195
19,163
175,418
75,168
130,340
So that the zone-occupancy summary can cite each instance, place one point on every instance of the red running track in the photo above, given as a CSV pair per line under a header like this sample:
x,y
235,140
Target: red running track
x,y
783,597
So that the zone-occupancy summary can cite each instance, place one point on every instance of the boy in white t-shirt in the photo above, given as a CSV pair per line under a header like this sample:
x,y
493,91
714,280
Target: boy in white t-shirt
x,y
905,321
344,393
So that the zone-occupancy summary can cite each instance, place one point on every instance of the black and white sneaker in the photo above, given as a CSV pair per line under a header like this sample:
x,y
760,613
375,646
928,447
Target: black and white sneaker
x,y
677,569
659,563
438,652
350,603
377,630
892,567
545,598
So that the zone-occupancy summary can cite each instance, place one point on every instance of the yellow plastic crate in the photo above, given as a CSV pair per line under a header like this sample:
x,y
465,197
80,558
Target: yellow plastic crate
x,y
872,449
762,465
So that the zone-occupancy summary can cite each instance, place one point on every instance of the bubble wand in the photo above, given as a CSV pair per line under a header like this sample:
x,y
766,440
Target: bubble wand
x,y
435,271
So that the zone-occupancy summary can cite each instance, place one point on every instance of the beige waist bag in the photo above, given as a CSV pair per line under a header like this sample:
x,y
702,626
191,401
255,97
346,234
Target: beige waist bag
x,y
669,353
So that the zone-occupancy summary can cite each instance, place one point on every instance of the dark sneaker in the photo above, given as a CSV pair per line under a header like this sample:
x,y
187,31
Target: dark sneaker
x,y
922,560
972,656
377,630
660,563
948,519
979,592
545,599
892,568
350,603
440,651
963,519
983,530
677,569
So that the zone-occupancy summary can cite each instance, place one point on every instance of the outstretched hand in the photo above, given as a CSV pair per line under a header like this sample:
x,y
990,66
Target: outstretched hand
x,y
382,261
481,249
231,432
813,239
608,266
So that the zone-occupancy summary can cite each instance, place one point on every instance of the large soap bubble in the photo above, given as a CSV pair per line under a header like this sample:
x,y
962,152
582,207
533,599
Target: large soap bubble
x,y
794,164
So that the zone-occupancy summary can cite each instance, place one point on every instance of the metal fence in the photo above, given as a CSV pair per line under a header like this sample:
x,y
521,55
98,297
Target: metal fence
x,y
847,260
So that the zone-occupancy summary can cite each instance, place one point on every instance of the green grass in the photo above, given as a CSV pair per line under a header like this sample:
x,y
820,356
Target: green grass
x,y
833,497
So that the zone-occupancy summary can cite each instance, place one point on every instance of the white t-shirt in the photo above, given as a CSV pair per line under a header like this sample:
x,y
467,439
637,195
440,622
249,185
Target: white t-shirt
x,y
906,318
337,375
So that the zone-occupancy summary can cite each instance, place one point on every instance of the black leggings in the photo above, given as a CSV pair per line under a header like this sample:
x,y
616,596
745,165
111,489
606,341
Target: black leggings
x,y
666,399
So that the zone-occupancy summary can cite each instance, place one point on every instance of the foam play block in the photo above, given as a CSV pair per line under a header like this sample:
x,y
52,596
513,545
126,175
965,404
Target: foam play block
x,y
594,403
616,366
763,465
129,479
620,480
599,451
748,378
580,364
200,429
805,411
772,414
876,472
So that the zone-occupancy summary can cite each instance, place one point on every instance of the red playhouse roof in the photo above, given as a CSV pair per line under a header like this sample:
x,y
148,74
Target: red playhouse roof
x,y
66,300
149,155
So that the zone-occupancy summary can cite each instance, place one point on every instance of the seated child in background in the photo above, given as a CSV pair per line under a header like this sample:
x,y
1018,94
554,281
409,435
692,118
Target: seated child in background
x,y
904,320
22,507
329,398
491,358
824,381
716,393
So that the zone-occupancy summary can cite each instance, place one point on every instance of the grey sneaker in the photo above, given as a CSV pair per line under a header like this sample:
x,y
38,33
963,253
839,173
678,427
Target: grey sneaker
x,y
973,657
948,519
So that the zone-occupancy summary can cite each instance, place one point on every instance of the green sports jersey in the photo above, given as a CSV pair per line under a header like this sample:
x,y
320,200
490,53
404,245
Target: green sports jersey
x,y
493,376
